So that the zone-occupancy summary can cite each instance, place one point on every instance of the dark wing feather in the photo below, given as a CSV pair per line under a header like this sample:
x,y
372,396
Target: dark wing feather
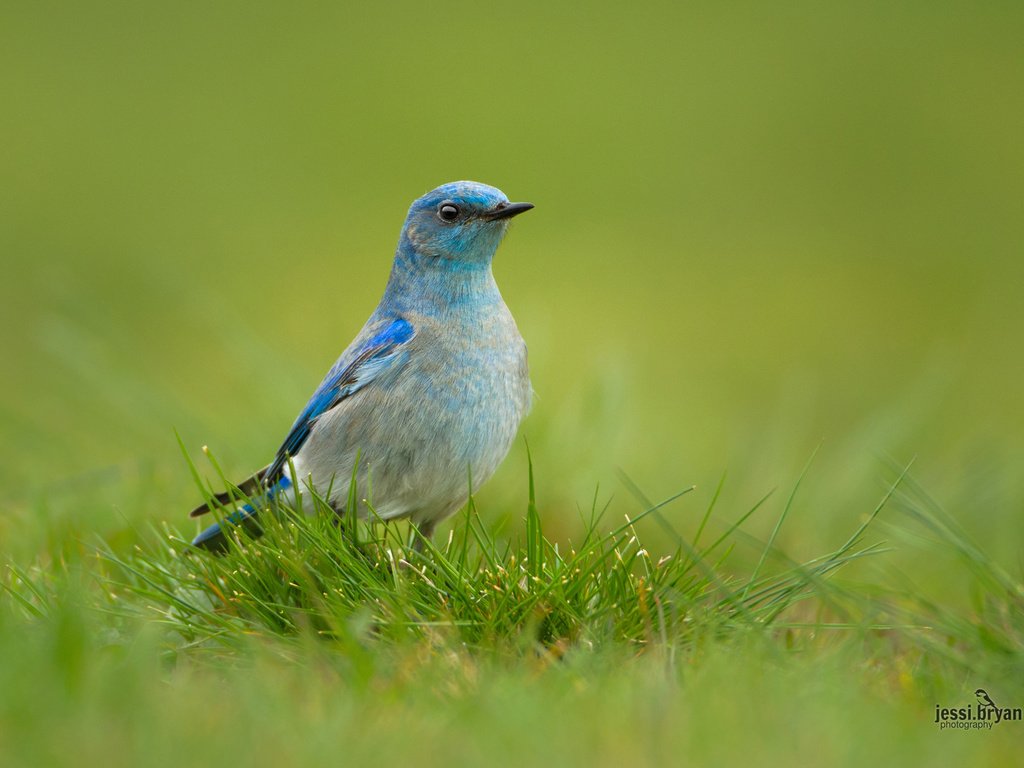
x,y
249,487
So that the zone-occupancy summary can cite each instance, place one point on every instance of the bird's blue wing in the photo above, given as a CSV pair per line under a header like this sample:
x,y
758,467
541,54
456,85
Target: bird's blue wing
x,y
383,353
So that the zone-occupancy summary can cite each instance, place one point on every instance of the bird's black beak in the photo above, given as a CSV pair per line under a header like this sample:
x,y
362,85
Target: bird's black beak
x,y
507,210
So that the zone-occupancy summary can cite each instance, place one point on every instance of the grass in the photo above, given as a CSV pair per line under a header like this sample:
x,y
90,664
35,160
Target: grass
x,y
368,634
471,589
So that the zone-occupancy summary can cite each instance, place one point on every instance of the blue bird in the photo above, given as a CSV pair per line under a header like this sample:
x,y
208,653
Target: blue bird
x,y
429,394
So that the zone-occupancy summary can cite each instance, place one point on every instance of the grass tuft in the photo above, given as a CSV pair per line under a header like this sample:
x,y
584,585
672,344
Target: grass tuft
x,y
350,582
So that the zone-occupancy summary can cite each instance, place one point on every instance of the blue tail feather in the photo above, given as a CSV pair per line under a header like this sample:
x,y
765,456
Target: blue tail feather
x,y
214,538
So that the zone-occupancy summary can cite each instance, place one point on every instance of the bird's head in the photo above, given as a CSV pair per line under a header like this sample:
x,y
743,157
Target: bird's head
x,y
459,224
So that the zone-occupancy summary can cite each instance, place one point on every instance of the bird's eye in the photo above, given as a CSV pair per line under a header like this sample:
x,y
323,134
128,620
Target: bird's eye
x,y
448,212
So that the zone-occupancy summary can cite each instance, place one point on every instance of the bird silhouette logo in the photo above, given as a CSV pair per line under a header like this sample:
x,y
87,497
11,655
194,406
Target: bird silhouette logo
x,y
984,699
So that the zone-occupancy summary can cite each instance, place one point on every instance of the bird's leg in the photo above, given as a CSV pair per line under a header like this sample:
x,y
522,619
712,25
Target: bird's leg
x,y
339,518
423,532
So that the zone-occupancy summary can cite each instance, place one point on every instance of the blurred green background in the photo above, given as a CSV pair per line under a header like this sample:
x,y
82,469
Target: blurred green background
x,y
759,227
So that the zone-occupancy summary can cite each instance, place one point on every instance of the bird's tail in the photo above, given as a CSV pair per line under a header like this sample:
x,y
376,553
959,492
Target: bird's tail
x,y
248,487
215,539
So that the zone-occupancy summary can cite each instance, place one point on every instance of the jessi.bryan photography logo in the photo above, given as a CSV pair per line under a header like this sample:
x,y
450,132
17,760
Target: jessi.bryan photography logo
x,y
982,715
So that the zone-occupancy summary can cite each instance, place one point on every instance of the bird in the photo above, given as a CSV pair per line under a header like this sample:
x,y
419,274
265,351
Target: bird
x,y
984,699
428,397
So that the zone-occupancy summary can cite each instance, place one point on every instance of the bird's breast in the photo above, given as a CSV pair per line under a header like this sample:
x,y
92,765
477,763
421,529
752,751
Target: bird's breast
x,y
473,383
478,363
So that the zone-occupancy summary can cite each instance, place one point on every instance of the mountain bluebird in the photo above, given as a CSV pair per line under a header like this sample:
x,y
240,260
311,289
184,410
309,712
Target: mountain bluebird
x,y
429,395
